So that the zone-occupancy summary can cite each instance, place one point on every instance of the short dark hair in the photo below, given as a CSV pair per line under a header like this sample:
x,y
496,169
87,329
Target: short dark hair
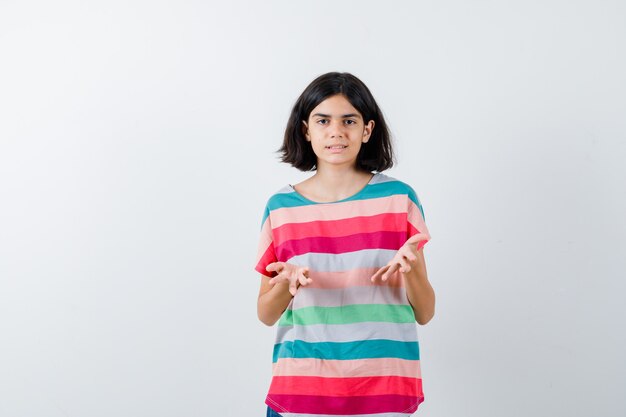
x,y
374,155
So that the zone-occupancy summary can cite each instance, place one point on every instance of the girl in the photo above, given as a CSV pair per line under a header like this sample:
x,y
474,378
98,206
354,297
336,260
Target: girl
x,y
342,264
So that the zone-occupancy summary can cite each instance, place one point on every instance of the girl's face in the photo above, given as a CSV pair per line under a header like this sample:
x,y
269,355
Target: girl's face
x,y
336,131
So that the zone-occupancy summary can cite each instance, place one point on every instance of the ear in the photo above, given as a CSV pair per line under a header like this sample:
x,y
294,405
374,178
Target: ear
x,y
367,131
305,130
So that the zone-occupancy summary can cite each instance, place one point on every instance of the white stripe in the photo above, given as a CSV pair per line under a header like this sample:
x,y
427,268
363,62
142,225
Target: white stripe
x,y
313,333
333,262
285,190
380,178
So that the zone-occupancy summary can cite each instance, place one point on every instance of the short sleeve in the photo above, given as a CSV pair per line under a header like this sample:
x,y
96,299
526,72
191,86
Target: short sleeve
x,y
415,218
266,253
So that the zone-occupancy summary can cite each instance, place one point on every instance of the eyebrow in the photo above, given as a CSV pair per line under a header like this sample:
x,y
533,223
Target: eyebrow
x,y
343,116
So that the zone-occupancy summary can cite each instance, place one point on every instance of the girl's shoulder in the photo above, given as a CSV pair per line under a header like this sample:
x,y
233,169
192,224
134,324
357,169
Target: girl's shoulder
x,y
284,196
381,178
396,186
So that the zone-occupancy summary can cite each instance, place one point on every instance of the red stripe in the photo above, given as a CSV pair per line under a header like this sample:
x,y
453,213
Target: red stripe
x,y
340,387
359,241
315,404
268,257
389,222
413,231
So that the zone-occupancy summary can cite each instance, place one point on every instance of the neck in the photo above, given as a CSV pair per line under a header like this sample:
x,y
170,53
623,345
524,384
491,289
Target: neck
x,y
339,182
339,175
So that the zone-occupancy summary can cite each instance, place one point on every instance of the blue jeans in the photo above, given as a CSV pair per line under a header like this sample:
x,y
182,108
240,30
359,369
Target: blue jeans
x,y
272,413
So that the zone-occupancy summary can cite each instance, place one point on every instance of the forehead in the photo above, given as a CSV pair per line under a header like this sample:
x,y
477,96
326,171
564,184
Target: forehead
x,y
335,106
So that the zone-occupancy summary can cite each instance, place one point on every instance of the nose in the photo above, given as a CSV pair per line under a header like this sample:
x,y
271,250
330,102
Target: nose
x,y
336,128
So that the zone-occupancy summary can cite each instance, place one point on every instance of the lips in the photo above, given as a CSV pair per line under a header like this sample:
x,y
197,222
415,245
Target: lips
x,y
337,147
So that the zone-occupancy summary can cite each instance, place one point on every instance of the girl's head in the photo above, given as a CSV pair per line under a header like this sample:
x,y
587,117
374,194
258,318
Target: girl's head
x,y
375,154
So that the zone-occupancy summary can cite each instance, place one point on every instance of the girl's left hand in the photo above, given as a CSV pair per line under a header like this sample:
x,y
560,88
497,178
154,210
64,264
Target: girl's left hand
x,y
402,260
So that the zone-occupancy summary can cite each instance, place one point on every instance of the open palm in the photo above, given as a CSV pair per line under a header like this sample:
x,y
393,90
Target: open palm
x,y
293,274
402,259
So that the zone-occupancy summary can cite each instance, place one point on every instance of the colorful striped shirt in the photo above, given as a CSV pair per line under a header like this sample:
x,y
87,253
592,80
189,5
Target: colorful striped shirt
x,y
344,346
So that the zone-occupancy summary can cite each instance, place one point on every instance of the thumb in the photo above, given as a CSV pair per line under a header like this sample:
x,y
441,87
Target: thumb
x,y
418,238
274,266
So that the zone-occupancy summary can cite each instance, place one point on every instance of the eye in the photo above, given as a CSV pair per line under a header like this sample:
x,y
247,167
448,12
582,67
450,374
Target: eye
x,y
350,122
322,121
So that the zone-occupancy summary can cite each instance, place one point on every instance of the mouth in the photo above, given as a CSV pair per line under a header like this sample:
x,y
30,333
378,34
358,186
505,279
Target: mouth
x,y
337,147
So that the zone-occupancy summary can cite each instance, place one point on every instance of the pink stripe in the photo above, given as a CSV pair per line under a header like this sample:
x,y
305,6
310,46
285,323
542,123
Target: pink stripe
x,y
265,246
390,222
315,404
352,278
346,387
266,235
353,368
343,244
303,214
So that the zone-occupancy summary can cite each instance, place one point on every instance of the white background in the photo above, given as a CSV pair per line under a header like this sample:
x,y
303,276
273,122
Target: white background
x,y
137,148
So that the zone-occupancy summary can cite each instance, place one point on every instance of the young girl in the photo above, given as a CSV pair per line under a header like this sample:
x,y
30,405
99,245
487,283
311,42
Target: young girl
x,y
342,264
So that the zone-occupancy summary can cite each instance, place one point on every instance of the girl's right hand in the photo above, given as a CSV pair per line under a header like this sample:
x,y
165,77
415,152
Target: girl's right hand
x,y
290,273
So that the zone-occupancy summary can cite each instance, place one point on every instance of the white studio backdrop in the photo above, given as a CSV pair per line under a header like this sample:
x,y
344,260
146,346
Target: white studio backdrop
x,y
137,145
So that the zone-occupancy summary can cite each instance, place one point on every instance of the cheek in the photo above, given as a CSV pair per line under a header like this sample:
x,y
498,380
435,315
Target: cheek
x,y
317,147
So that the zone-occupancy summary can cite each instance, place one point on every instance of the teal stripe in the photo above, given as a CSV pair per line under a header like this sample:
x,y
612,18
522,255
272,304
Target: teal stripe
x,y
384,189
354,313
266,214
413,197
365,349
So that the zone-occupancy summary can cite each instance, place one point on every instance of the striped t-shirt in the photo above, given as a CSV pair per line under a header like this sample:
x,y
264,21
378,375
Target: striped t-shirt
x,y
344,346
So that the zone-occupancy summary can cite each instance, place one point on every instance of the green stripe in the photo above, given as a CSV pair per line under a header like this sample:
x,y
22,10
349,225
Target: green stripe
x,y
355,313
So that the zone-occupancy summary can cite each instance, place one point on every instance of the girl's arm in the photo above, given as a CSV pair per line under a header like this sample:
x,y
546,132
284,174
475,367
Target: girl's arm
x,y
273,300
418,289
276,293
410,262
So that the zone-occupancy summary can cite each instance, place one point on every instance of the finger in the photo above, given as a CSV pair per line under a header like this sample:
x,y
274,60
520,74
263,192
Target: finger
x,y
303,279
277,279
275,267
379,273
405,266
384,271
293,288
392,269
403,253
410,253
305,272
